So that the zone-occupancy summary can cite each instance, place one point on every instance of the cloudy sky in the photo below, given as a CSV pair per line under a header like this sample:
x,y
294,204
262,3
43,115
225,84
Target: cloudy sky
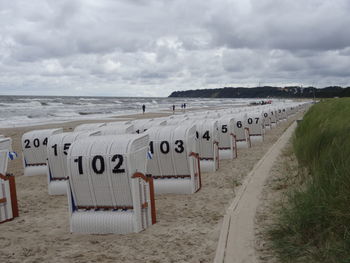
x,y
153,47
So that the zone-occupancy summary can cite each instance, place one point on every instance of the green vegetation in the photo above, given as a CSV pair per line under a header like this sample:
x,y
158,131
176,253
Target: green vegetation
x,y
314,224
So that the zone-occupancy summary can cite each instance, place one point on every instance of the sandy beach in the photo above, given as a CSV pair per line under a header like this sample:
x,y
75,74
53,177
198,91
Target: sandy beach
x,y
187,230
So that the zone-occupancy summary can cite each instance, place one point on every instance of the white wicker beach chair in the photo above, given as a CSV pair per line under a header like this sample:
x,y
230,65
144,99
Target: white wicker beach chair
x,y
267,119
227,138
57,151
108,190
281,114
241,132
207,133
34,150
174,165
273,117
255,124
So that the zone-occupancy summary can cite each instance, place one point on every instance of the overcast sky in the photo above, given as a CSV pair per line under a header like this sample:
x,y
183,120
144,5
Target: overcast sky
x,y
153,47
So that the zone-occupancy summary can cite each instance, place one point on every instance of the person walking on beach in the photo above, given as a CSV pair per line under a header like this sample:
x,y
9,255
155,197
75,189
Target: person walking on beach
x,y
173,109
143,108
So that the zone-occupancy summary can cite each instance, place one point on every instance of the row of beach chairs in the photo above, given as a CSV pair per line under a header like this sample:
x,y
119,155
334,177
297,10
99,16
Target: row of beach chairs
x,y
111,171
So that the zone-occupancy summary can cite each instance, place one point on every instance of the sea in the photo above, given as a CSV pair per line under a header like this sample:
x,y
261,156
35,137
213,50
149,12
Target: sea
x,y
19,111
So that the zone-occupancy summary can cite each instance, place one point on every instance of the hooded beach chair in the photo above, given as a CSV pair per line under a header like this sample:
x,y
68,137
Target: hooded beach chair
x,y
282,114
57,151
207,133
227,138
267,119
108,191
255,124
174,162
34,151
273,117
241,132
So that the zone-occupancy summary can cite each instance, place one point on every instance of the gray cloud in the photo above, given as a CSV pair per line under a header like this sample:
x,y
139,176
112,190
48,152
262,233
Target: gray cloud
x,y
150,48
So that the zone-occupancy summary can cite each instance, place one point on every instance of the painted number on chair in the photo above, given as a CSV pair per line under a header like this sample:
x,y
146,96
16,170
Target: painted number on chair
x,y
36,143
98,164
239,124
164,146
65,148
179,146
206,135
224,128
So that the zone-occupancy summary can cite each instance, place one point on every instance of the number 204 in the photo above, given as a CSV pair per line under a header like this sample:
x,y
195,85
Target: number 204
x,y
98,164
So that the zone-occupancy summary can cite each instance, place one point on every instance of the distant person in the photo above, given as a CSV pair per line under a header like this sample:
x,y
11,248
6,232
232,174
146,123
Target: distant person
x,y
184,105
143,108
173,109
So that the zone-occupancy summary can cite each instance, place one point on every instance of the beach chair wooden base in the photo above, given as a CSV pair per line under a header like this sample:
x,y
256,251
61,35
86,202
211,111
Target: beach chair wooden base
x,y
8,198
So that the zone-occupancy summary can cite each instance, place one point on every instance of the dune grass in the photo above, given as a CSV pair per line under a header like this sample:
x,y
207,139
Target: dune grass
x,y
314,224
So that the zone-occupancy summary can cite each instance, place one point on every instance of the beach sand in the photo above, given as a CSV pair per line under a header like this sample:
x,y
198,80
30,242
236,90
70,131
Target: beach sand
x,y
187,228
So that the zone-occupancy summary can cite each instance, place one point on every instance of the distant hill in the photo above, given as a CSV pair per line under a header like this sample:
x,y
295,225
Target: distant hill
x,y
265,92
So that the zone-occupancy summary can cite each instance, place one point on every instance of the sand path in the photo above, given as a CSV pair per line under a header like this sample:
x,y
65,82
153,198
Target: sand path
x,y
237,237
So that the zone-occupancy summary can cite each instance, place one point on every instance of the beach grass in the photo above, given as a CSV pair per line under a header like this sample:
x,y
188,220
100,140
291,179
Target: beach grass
x,y
314,224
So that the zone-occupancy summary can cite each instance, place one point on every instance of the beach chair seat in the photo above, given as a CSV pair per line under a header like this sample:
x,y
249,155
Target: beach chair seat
x,y
89,126
227,138
35,151
174,164
8,198
108,191
255,124
241,132
57,151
